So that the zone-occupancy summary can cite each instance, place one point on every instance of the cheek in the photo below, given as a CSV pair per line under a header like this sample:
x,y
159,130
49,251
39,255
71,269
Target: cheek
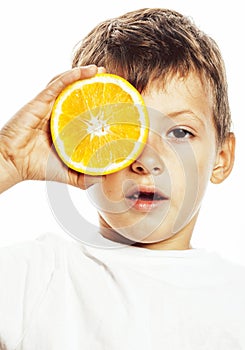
x,y
184,172
107,196
205,165
112,186
189,177
197,160
198,174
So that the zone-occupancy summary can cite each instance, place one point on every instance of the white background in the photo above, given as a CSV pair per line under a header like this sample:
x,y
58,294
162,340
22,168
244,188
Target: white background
x,y
37,38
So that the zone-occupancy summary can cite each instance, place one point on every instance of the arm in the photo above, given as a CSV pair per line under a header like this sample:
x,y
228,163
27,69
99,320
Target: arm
x,y
26,151
8,174
2,346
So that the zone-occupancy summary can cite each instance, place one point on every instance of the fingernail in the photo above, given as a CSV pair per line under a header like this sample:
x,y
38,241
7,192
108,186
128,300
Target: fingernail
x,y
101,70
92,67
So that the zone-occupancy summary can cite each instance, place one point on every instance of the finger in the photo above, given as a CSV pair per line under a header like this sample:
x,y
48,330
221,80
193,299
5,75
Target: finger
x,y
61,81
101,70
54,78
84,68
86,181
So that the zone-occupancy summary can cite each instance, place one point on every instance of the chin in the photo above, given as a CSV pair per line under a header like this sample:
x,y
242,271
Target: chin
x,y
145,236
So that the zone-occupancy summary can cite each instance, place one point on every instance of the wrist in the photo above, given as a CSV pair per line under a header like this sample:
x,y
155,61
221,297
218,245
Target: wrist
x,y
8,172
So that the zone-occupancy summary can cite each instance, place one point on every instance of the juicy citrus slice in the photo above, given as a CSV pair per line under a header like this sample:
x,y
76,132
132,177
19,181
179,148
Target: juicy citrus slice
x,y
99,125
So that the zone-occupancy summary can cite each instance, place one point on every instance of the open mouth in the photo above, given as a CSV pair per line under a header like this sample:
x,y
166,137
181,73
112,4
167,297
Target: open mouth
x,y
145,198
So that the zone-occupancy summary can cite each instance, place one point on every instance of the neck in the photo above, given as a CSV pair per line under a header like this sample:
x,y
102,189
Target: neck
x,y
178,241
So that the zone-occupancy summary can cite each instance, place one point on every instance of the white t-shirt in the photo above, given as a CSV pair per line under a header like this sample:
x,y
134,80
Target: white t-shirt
x,y
57,294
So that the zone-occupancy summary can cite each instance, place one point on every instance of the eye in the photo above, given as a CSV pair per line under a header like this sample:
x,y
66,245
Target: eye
x,y
180,133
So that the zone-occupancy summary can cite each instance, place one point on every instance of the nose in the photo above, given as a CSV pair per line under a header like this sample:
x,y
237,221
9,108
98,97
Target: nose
x,y
149,162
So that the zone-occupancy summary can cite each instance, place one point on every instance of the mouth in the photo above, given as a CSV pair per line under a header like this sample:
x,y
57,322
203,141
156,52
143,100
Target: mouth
x,y
145,198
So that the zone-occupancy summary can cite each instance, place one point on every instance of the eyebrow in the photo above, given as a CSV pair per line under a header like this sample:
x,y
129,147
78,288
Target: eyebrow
x,y
191,114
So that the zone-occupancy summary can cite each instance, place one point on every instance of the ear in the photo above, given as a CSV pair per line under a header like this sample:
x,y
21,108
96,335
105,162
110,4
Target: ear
x,y
224,160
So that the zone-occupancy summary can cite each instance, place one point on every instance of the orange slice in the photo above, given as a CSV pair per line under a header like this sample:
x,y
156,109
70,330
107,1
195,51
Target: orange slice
x,y
99,125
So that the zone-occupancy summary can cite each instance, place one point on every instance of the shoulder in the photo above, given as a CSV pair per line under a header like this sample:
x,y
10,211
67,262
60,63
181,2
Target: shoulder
x,y
26,270
229,267
37,258
22,254
229,273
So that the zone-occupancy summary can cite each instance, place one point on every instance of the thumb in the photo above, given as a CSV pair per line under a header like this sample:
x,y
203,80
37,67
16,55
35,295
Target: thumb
x,y
60,82
87,181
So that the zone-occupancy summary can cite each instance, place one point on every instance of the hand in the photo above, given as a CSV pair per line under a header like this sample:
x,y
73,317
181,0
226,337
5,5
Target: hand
x,y
25,141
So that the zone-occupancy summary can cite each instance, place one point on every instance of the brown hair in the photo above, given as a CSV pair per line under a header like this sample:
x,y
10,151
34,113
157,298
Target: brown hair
x,y
151,44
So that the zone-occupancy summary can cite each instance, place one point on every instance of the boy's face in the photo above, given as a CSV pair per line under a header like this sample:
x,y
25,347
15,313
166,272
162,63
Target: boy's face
x,y
159,195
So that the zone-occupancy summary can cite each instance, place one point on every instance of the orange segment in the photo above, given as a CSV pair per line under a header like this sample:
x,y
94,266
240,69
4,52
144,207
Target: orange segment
x,y
99,125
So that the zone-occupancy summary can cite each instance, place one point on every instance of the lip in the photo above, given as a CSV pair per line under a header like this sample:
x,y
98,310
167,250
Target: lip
x,y
145,198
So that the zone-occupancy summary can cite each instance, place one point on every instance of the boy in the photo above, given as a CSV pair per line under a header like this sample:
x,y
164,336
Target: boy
x,y
156,292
